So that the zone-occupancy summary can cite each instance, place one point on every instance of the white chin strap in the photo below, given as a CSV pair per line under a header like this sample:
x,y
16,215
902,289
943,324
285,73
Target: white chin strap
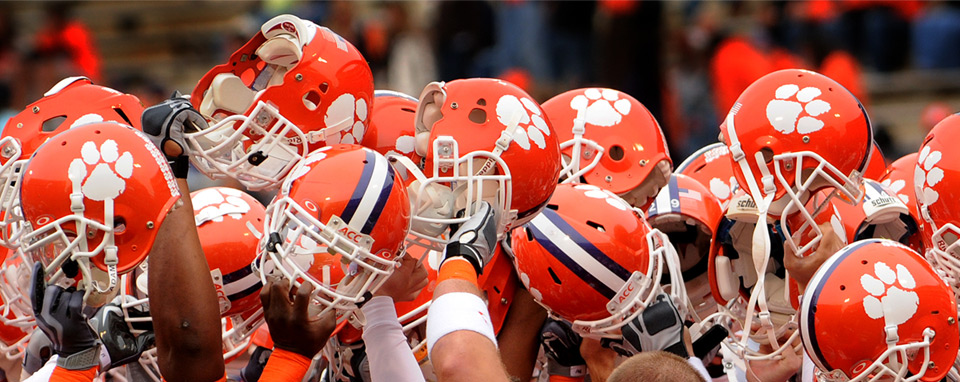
x,y
761,244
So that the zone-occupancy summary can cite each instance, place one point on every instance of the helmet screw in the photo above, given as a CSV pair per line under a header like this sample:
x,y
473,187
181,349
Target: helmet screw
x,y
503,301
150,225
951,320
806,139
643,162
608,178
36,109
19,125
299,77
91,234
7,151
788,166
454,106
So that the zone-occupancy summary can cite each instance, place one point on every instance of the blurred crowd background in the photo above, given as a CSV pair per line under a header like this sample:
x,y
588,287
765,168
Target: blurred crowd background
x,y
687,61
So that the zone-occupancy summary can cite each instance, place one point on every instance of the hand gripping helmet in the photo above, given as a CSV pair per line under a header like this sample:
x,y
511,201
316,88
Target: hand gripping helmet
x,y
339,223
74,101
936,182
876,309
609,139
880,214
230,225
712,167
391,129
291,89
792,133
16,316
689,215
481,139
95,196
591,259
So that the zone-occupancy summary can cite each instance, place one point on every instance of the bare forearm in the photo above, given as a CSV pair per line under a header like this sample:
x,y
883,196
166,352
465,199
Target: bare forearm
x,y
519,338
183,301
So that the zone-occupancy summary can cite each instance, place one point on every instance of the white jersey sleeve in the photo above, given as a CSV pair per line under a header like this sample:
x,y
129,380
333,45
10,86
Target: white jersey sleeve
x,y
387,349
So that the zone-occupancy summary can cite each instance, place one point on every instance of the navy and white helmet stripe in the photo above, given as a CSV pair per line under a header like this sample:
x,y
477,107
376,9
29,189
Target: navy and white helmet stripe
x,y
667,200
370,195
577,253
241,283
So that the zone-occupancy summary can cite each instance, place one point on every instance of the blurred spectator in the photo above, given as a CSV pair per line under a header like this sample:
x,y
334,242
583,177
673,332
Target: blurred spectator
x,y
462,32
876,32
9,66
569,48
411,64
521,40
936,37
62,36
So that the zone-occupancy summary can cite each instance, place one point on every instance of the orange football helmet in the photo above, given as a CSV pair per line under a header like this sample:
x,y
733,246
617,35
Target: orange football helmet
x,y
392,128
591,259
294,87
712,167
899,180
609,139
73,101
339,223
880,214
689,215
481,139
792,133
936,182
876,309
95,194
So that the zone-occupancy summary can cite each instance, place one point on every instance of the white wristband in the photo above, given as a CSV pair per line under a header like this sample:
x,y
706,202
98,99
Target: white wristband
x,y
457,311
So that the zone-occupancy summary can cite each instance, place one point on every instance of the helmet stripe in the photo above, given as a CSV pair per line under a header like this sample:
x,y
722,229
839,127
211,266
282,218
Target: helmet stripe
x,y
376,181
578,254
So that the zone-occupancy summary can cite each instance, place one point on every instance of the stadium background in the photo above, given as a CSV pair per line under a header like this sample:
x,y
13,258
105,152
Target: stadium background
x,y
684,60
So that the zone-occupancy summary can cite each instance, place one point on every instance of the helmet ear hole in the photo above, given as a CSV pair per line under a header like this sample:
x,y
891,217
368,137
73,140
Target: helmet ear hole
x,y
53,123
767,154
616,152
119,225
311,100
478,116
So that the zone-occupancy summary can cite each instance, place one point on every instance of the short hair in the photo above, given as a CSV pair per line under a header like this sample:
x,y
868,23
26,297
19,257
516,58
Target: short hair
x,y
655,366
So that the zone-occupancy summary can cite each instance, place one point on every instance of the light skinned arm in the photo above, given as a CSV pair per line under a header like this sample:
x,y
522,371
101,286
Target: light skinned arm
x,y
463,355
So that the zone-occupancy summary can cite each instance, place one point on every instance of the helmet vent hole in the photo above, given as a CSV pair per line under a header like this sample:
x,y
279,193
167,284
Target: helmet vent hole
x,y
553,207
408,110
767,154
596,225
324,87
843,287
123,115
478,116
864,262
616,153
935,312
700,168
311,100
495,289
554,276
529,233
482,102
52,123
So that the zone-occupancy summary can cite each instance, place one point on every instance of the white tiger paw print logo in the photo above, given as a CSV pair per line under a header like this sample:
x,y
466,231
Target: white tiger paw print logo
x,y
783,113
891,294
595,192
213,204
106,180
303,167
346,115
603,107
927,175
896,186
721,189
531,128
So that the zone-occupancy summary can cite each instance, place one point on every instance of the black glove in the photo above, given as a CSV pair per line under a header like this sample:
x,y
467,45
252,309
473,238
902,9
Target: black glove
x,y
658,327
121,346
561,344
168,121
59,313
476,238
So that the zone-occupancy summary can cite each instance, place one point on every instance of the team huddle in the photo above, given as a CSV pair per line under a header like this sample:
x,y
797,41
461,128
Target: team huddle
x,y
470,233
